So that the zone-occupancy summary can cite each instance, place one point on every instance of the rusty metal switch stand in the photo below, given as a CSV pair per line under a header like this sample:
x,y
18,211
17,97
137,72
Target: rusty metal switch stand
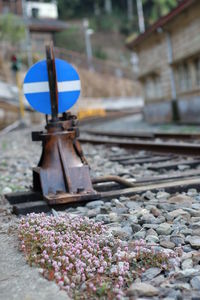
x,y
62,173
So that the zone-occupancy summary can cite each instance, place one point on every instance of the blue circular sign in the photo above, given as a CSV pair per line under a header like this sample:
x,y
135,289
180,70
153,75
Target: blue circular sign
x,y
36,86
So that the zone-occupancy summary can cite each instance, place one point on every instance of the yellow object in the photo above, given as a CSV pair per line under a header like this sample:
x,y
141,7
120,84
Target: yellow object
x,y
21,102
96,112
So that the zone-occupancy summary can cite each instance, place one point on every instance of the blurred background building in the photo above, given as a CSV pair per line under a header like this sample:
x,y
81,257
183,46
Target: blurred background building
x,y
117,46
169,64
41,18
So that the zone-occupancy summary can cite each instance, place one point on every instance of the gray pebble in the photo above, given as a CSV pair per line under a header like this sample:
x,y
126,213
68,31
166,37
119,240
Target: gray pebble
x,y
150,274
164,229
94,204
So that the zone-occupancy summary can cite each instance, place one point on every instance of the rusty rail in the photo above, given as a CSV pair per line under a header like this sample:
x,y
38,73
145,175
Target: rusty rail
x,y
145,135
166,147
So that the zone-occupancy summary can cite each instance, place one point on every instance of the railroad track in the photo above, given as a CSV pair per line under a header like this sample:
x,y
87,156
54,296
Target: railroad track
x,y
185,144
173,158
173,166
145,135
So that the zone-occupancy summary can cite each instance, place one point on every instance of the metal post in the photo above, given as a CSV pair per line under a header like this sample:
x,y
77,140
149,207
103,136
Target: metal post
x,y
21,102
175,112
170,60
88,32
28,39
130,9
52,82
97,11
140,16
108,6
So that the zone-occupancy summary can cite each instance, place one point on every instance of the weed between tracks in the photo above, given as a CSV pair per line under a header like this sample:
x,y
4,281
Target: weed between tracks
x,y
83,258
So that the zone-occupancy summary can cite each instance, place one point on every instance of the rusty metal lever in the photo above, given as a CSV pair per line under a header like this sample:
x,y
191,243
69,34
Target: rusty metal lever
x,y
51,68
113,178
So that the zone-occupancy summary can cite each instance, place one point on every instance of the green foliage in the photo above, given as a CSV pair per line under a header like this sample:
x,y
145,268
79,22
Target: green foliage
x,y
104,23
154,9
117,21
127,27
99,53
71,39
75,8
4,146
12,28
103,289
35,57
86,8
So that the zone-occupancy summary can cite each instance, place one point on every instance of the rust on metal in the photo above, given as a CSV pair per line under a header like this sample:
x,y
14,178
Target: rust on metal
x,y
63,172
113,178
165,147
61,169
51,68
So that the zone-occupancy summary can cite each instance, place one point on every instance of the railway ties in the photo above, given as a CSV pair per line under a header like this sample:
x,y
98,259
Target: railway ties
x,y
172,166
174,159
166,162
171,180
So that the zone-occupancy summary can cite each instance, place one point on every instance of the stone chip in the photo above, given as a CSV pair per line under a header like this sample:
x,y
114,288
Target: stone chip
x,y
142,289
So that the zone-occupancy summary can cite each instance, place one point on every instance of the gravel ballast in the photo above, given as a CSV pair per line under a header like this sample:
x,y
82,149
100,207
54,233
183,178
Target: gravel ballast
x,y
168,221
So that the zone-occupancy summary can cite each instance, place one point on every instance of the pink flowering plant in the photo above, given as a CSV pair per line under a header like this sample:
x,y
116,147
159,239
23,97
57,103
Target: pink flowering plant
x,y
83,258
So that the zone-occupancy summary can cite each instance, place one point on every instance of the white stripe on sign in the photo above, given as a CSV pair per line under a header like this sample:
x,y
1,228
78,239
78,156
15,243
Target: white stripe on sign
x,y
41,87
36,87
69,86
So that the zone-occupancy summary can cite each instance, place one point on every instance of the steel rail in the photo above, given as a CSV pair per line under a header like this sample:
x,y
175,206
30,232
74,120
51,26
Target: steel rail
x,y
145,135
166,147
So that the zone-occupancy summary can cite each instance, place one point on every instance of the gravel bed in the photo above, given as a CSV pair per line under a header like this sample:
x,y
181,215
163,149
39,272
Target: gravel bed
x,y
168,221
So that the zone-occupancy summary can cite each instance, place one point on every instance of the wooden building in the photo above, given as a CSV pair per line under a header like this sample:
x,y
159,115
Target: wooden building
x,y
169,64
13,6
41,18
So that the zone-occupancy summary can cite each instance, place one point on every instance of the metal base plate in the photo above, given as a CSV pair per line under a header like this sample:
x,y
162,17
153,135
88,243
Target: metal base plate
x,y
30,201
26,202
